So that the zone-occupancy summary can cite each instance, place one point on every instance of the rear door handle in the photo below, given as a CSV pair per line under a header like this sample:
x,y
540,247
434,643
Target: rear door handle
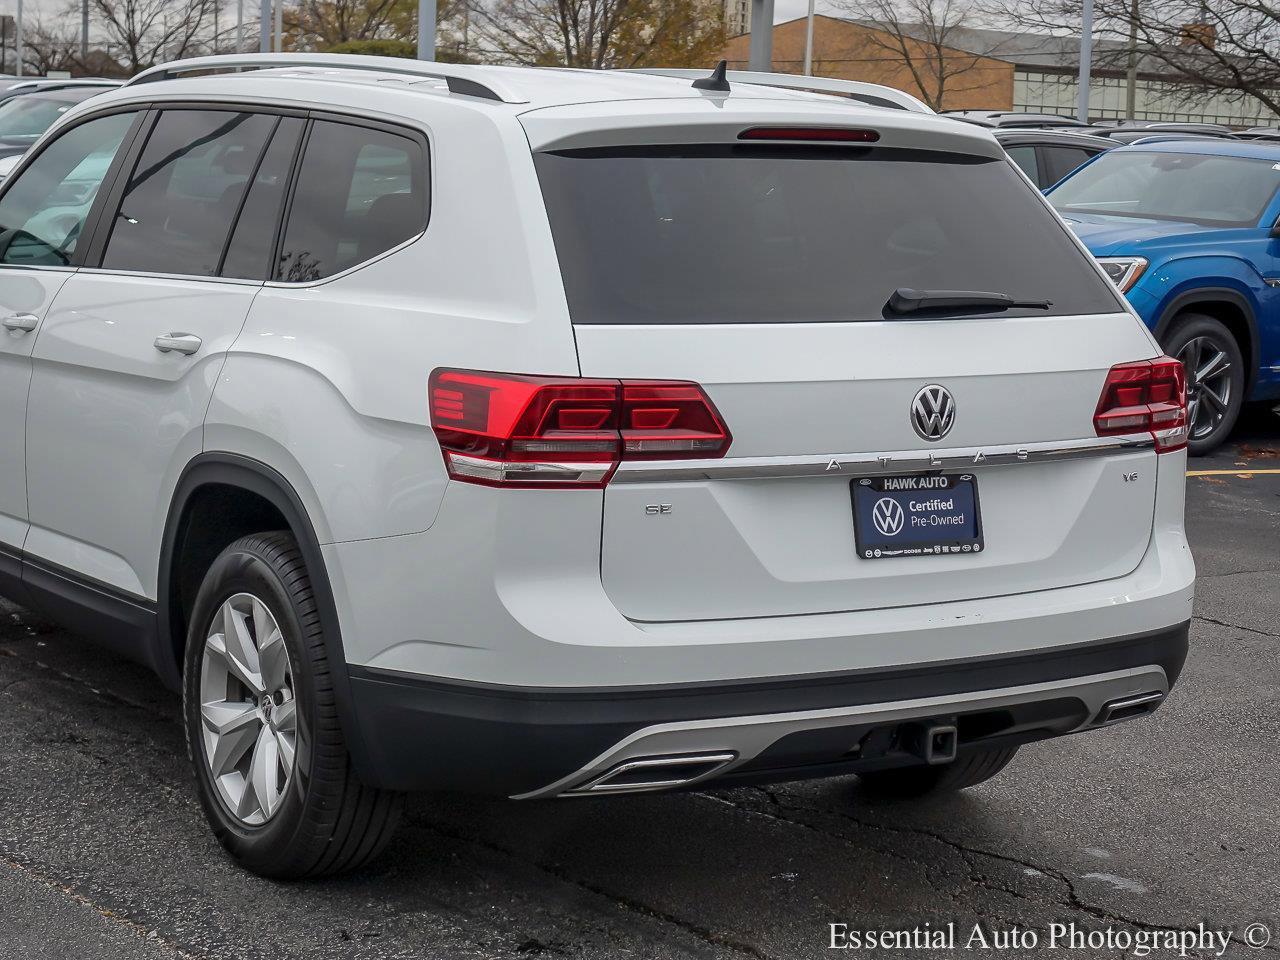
x,y
187,343
21,322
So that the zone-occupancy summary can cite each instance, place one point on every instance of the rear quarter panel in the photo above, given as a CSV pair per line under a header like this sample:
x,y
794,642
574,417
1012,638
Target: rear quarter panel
x,y
328,381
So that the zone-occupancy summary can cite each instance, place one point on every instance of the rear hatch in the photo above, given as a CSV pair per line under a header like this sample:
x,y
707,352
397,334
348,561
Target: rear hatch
x,y
763,271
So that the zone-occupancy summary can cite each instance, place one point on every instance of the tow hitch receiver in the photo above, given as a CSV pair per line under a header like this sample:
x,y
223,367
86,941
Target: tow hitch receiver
x,y
932,741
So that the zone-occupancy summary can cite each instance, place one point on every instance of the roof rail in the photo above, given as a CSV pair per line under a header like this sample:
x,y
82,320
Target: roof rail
x,y
869,93
462,79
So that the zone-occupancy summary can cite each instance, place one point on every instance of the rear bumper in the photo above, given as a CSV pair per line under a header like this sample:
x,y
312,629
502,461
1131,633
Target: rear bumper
x,y
532,742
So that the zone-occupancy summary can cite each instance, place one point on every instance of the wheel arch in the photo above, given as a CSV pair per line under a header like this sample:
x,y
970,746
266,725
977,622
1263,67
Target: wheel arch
x,y
1227,305
227,471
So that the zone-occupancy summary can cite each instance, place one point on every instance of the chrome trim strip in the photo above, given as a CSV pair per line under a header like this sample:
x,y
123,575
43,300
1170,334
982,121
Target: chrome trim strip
x,y
505,471
869,464
747,737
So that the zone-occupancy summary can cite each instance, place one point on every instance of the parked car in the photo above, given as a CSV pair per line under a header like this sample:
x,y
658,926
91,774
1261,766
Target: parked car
x,y
1259,133
1187,229
1009,118
24,117
438,426
1046,156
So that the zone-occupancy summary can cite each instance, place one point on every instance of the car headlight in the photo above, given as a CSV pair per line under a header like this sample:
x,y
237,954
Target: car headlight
x,y
1123,271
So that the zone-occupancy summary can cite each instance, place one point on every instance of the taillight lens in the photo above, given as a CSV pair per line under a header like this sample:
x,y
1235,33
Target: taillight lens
x,y
513,430
1147,396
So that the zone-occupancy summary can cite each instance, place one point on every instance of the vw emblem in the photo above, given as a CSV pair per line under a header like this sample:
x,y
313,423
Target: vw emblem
x,y
933,412
887,516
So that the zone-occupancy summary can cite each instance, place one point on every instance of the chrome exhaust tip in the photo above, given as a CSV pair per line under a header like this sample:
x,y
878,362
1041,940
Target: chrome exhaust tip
x,y
1128,708
653,773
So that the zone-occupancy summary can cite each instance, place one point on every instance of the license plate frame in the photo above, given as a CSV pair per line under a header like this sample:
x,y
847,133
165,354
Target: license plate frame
x,y
930,538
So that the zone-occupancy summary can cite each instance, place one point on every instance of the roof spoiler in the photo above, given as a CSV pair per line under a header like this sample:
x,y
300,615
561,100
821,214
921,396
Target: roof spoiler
x,y
873,94
463,79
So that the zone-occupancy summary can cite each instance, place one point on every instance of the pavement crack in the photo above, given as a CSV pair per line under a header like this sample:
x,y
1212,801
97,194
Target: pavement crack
x,y
71,893
627,903
1073,897
101,694
1236,626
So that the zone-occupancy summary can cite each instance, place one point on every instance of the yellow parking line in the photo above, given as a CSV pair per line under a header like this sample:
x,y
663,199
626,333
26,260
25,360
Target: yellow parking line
x,y
1227,473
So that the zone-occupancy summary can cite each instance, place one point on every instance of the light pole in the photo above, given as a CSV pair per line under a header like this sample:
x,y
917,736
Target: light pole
x,y
808,44
239,26
279,4
84,30
264,26
426,29
1086,61
17,39
761,56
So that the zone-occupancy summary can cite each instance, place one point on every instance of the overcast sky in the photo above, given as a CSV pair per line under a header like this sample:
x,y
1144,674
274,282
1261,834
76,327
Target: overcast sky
x,y
790,9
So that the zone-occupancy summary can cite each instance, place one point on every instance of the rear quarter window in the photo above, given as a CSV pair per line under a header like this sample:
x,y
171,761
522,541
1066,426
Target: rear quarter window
x,y
755,234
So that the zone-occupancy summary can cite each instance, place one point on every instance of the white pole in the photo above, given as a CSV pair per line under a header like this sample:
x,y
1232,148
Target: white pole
x,y
808,44
761,48
239,26
1086,61
426,29
17,38
264,26
279,26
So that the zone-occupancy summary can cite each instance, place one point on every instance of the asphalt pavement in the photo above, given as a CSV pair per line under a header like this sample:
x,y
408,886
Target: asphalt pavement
x,y
1148,827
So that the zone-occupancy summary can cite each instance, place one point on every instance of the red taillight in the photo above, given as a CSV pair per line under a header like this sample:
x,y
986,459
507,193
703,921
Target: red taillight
x,y
512,430
1147,396
818,134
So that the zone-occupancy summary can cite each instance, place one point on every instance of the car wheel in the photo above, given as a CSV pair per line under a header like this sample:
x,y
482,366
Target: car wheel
x,y
967,770
1215,378
271,766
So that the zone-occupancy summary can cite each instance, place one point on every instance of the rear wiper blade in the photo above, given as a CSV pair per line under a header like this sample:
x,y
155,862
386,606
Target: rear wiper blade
x,y
907,300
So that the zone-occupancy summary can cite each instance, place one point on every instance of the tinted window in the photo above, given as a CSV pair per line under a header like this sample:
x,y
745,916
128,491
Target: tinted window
x,y
1059,161
28,117
1025,157
185,191
1194,187
738,234
44,209
249,253
360,192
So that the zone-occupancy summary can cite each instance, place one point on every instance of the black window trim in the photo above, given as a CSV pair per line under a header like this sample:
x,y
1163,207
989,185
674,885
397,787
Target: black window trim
x,y
88,257
142,111
395,129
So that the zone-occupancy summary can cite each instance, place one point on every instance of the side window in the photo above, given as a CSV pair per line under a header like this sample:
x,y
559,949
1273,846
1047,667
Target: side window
x,y
177,209
1025,157
1059,161
43,211
249,253
360,192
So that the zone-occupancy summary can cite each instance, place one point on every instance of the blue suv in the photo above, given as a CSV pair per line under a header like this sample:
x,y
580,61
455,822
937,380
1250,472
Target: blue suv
x,y
1188,231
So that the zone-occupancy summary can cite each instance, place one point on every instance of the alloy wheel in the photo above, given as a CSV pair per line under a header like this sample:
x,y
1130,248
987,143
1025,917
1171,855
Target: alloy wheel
x,y
248,709
1208,384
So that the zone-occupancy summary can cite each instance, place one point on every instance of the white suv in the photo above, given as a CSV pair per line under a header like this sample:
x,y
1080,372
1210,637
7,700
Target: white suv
x,y
553,433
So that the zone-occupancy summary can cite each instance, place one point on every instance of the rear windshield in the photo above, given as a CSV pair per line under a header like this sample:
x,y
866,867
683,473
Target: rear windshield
x,y
1190,187
752,234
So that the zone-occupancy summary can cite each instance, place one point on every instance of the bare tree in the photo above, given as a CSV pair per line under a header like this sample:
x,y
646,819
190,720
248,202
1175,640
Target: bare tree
x,y
142,33
596,34
1229,46
571,33
49,48
928,38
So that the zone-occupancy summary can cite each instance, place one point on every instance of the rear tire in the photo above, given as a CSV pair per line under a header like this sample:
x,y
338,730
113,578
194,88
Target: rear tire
x,y
1215,378
967,770
284,802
